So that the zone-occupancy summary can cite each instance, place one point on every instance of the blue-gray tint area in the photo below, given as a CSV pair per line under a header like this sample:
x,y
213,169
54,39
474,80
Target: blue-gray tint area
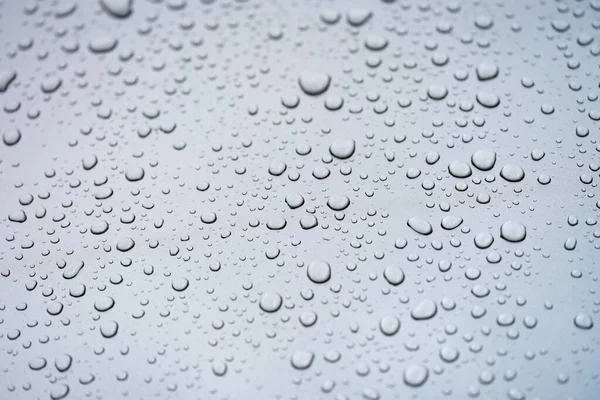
x,y
299,199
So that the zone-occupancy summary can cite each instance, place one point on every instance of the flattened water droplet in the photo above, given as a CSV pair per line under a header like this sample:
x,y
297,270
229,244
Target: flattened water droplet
x,y
483,240
6,78
376,42
487,71
488,100
342,148
358,16
270,302
330,16
319,271
11,137
277,168
294,200
513,231
73,269
37,363
459,169
59,391
389,325
18,216
308,221
583,321
338,202
109,329
424,310
302,359
394,275
134,174
512,173
125,244
117,8
63,362
99,227
483,160
314,83
449,354
419,225
103,44
415,375
451,222
51,84
104,303
334,102
436,92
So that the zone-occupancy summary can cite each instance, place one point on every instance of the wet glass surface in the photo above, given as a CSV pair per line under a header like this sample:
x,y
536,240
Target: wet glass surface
x,y
299,199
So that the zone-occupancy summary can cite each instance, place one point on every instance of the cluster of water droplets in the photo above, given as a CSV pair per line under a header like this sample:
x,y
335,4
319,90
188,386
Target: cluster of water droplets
x,y
203,199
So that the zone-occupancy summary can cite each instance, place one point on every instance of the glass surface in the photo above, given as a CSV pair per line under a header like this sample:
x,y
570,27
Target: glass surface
x,y
299,199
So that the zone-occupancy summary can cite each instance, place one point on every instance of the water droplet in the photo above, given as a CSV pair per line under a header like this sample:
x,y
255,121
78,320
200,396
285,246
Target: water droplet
x,y
424,310
271,302
314,83
389,325
419,225
513,231
583,321
512,173
319,271
342,148
394,275
302,359
11,137
117,8
415,375
358,16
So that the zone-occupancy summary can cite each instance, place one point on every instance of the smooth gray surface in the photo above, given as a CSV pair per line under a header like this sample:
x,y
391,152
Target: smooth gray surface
x,y
296,199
